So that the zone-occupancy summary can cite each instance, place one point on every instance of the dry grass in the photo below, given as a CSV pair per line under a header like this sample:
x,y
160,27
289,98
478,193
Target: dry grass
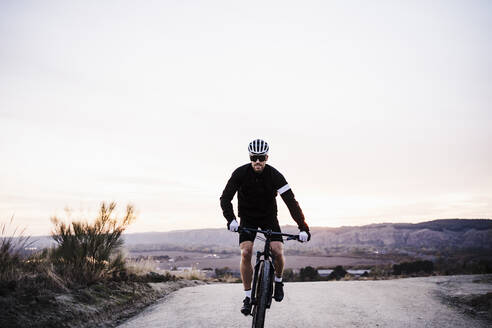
x,y
141,267
192,274
39,270
229,279
19,268
12,251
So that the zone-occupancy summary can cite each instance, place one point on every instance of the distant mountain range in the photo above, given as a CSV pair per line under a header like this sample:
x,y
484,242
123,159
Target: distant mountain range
x,y
431,235
454,233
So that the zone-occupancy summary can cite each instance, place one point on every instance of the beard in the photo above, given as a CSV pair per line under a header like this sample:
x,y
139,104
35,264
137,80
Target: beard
x,y
258,167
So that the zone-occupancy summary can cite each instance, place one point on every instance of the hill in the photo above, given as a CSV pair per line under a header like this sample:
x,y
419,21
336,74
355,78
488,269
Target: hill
x,y
430,235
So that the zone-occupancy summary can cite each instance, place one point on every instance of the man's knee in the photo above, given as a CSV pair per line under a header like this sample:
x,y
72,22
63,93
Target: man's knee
x,y
246,250
277,248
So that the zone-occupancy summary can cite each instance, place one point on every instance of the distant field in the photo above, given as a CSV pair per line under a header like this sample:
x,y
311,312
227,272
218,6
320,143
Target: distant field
x,y
200,260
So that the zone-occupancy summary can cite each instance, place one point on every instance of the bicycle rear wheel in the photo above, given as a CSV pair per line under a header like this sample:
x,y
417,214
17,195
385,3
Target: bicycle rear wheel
x,y
262,291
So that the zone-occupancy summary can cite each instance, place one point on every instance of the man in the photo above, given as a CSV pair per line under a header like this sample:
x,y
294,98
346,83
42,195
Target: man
x,y
257,185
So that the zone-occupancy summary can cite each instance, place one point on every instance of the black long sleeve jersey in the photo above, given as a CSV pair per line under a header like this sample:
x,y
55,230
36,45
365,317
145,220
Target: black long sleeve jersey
x,y
257,193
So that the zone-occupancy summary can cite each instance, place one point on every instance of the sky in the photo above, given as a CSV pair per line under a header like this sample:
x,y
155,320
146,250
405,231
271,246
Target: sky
x,y
374,111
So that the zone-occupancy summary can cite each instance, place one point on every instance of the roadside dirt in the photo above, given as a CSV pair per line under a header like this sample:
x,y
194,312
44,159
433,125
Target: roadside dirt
x,y
100,305
472,298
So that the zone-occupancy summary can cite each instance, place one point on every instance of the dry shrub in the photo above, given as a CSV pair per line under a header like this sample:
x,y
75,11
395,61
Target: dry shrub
x,y
88,253
12,251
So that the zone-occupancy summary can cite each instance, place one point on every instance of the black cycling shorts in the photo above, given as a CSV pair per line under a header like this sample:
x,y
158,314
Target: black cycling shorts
x,y
259,223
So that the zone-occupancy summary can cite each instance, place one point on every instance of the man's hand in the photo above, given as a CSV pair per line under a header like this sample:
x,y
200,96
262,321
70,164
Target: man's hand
x,y
233,225
304,236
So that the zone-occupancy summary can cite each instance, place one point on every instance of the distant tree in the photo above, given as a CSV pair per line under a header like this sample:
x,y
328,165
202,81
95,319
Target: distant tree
x,y
308,274
289,275
478,266
397,269
338,273
221,272
413,267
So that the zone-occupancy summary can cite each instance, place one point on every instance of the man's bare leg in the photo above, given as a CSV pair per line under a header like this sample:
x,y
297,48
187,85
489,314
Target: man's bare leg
x,y
278,253
246,267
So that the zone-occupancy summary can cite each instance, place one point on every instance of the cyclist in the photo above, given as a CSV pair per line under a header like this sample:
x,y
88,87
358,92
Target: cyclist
x,y
257,185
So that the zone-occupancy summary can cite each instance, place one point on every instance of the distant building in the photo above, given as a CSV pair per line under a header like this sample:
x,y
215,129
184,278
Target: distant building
x,y
208,272
184,269
324,273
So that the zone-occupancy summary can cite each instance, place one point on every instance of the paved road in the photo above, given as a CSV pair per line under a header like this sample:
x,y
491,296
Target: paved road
x,y
413,302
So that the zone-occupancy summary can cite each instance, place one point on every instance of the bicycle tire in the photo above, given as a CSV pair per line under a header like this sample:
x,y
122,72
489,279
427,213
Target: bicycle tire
x,y
262,290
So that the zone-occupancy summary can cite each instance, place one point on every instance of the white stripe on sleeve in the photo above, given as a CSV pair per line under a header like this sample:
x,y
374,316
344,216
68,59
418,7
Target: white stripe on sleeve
x,y
283,189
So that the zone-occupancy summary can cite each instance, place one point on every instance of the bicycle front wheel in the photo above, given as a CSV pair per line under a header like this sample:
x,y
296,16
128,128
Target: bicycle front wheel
x,y
262,291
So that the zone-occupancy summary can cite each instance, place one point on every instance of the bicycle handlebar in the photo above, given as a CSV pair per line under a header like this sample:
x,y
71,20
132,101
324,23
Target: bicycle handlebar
x,y
267,233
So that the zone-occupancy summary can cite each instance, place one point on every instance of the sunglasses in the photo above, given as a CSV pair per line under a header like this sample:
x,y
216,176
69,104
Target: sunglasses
x,y
254,158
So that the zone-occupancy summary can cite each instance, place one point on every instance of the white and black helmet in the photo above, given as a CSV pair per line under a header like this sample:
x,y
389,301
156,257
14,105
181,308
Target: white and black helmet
x,y
258,147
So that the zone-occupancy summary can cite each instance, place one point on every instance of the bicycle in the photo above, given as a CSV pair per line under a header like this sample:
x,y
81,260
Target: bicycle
x,y
262,289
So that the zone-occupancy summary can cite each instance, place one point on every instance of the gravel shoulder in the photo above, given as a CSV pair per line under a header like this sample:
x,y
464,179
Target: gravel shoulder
x,y
101,305
411,302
